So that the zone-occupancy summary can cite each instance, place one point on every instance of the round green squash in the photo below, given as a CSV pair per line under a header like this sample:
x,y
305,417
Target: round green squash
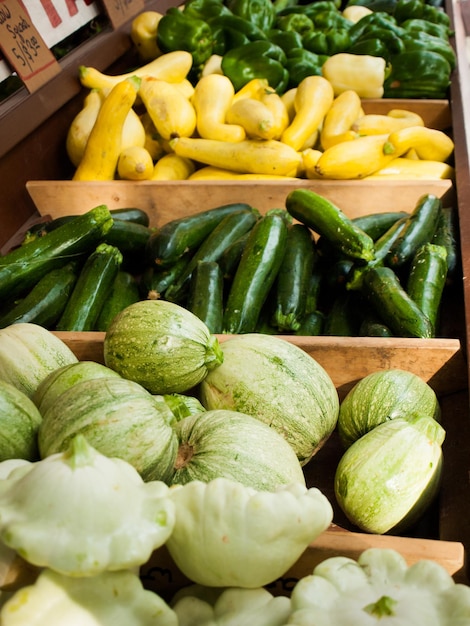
x,y
382,396
65,377
233,445
161,345
28,353
387,479
119,418
19,424
278,383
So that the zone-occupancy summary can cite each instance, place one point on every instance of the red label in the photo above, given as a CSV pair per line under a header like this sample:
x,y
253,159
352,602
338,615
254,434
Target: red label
x,y
23,46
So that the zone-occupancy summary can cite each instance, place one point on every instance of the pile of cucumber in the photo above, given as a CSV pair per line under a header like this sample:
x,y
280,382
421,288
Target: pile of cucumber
x,y
303,269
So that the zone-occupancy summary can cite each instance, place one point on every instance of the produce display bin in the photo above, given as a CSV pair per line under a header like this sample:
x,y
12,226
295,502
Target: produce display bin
x,y
34,187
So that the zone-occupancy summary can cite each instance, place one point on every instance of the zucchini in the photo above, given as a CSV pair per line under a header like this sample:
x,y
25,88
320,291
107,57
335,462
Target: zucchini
x,y
130,237
383,290
44,304
293,280
231,256
178,236
427,279
91,289
381,247
256,273
340,320
226,232
132,214
311,325
156,280
373,327
315,286
22,268
446,234
124,291
376,224
206,294
327,220
419,229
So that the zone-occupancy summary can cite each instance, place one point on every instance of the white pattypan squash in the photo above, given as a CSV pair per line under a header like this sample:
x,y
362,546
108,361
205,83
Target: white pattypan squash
x,y
379,589
81,513
109,599
227,534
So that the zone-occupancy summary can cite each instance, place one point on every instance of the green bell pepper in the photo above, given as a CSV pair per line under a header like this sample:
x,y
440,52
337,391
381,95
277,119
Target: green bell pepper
x,y
256,59
177,31
205,9
423,41
232,31
393,42
418,74
297,22
261,13
329,19
285,39
387,6
315,42
408,9
373,47
436,15
280,5
373,21
421,25
302,63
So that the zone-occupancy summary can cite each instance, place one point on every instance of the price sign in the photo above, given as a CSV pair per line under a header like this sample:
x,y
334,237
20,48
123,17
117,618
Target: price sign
x,y
23,46
121,11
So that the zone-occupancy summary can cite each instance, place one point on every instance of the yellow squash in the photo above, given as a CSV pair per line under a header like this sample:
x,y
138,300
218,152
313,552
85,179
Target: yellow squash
x,y
173,167
254,116
251,88
212,99
104,144
377,124
250,156
313,98
403,168
172,67
169,109
273,101
355,159
80,128
428,143
338,122
216,173
144,34
135,163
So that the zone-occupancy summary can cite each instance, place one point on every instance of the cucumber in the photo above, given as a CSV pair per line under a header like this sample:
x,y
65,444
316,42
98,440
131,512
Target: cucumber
x,y
22,268
256,273
156,280
427,279
383,290
206,295
44,304
225,233
91,289
178,236
376,224
327,220
124,291
446,234
419,229
293,280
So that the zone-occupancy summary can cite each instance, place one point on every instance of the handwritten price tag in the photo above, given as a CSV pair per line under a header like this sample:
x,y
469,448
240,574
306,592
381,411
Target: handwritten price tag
x,y
121,11
23,46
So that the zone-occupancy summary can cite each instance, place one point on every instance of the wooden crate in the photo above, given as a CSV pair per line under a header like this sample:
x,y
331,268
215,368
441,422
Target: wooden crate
x,y
443,534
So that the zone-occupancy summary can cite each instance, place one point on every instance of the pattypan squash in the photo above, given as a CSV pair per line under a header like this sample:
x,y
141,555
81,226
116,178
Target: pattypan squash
x,y
80,513
234,606
379,588
108,599
227,534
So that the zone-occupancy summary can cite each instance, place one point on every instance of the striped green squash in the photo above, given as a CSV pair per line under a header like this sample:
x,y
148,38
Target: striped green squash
x,y
28,353
162,346
381,396
275,381
19,424
233,445
119,418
